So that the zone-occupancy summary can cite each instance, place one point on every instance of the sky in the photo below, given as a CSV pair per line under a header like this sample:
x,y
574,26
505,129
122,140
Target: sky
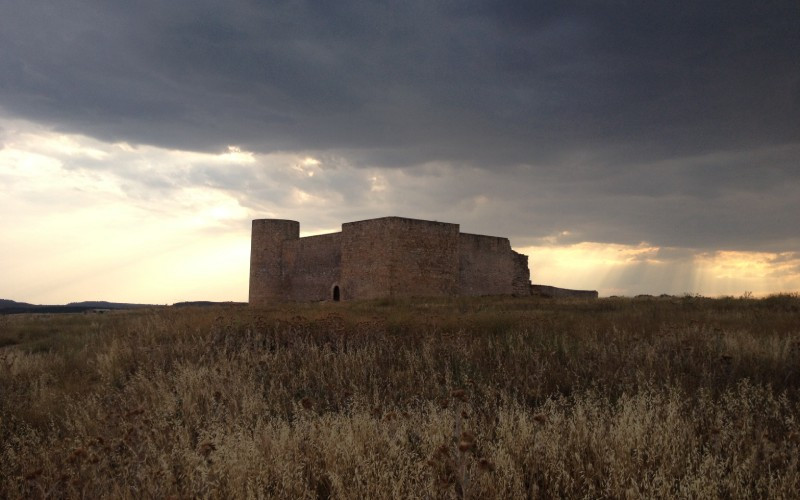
x,y
630,147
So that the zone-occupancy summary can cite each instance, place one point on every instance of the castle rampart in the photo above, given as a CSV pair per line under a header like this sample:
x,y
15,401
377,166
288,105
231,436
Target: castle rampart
x,y
486,265
267,277
385,257
312,265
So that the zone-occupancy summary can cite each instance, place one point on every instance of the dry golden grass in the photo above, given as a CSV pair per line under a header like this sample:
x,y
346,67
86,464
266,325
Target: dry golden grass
x,y
464,398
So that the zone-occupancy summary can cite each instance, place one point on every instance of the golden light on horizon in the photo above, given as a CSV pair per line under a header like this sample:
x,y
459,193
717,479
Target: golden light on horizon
x,y
113,221
81,234
615,269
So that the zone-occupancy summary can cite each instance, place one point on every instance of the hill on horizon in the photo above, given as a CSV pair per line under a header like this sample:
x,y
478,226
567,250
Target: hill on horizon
x,y
8,306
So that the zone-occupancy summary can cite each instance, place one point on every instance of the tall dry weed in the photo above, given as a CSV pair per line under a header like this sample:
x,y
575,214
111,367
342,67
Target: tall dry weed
x,y
469,398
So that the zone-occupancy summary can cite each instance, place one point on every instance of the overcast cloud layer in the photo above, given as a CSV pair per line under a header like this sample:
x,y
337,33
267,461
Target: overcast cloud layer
x,y
671,123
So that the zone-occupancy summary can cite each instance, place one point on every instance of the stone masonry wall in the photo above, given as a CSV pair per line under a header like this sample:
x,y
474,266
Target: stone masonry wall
x,y
267,283
521,283
486,266
555,292
366,252
386,257
312,266
398,257
424,258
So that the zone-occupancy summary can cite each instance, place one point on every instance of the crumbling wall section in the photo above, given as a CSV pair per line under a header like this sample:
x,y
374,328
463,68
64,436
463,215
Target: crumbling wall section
x,y
521,283
486,265
312,266
555,292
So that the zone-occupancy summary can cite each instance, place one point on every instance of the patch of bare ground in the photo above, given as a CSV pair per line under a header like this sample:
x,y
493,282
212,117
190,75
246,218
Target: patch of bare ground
x,y
464,398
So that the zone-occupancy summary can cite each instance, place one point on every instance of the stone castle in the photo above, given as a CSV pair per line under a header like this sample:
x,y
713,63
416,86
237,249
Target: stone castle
x,y
385,257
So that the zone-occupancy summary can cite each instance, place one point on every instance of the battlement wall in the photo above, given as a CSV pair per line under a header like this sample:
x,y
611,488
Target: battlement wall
x,y
555,292
486,265
399,257
366,252
311,266
385,257
521,282
424,259
266,264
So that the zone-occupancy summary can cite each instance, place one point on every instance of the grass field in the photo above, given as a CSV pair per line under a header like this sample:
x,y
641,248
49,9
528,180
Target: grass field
x,y
463,398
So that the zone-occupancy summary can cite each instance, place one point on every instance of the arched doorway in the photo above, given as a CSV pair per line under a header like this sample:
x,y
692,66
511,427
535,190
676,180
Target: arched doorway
x,y
336,296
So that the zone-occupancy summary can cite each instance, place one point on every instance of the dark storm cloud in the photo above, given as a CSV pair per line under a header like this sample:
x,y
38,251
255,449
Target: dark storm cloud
x,y
481,81
685,203
671,122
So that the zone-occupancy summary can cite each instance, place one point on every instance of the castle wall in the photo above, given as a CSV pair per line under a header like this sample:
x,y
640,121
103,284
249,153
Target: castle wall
x,y
424,258
366,252
312,266
266,265
521,282
555,292
386,257
399,257
486,266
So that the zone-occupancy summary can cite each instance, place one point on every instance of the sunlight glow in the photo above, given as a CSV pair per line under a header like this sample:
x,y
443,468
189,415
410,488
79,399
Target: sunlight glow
x,y
89,220
307,166
236,156
614,269
81,231
377,184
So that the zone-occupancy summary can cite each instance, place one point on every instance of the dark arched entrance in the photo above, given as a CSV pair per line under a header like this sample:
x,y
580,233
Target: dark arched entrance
x,y
336,297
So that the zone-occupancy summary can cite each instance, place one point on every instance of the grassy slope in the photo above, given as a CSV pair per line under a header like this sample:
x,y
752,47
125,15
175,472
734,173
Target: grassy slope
x,y
466,397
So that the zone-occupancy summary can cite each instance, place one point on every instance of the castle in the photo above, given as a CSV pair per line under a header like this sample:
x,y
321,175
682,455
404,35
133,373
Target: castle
x,y
385,257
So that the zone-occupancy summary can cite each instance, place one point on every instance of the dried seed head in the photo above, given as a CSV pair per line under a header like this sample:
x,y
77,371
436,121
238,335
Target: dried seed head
x,y
465,446
78,454
306,403
134,413
459,394
206,448
446,479
540,417
30,476
467,441
485,465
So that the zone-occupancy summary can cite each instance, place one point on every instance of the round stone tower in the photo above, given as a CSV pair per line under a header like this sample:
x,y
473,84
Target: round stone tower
x,y
266,243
